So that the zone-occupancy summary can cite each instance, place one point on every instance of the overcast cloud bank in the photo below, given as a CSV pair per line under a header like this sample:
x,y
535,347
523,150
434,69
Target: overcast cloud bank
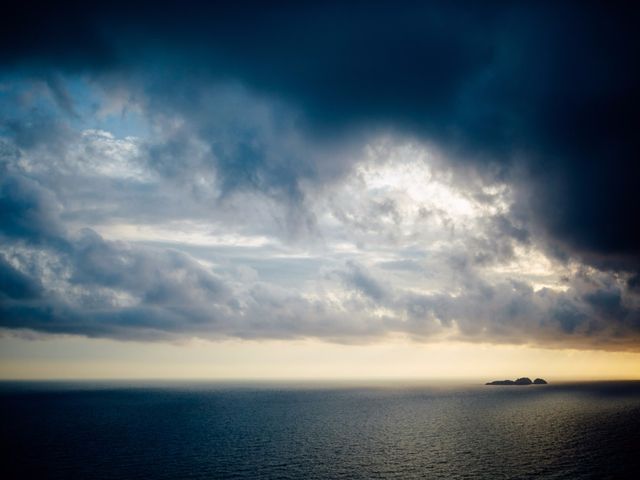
x,y
342,173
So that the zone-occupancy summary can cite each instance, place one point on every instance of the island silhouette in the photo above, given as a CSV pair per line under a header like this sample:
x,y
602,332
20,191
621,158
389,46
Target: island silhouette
x,y
519,381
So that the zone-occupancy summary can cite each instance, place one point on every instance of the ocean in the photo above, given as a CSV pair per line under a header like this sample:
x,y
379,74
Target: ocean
x,y
111,430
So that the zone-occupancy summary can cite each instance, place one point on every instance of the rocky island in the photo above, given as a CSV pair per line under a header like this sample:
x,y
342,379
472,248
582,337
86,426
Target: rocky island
x,y
519,381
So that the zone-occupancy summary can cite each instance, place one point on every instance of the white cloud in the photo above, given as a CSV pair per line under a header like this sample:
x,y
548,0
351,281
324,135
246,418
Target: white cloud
x,y
197,233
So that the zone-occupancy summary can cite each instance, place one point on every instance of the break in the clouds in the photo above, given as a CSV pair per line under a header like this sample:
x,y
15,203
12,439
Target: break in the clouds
x,y
346,172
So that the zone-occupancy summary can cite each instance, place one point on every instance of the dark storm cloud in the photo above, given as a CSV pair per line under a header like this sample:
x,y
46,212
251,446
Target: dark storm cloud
x,y
551,85
15,284
542,96
28,211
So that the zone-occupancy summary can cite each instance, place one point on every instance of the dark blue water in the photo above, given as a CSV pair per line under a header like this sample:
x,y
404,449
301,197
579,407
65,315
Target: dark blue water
x,y
180,431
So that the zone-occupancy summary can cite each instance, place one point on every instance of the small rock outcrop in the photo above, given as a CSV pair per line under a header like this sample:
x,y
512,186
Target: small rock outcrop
x,y
523,381
520,381
501,382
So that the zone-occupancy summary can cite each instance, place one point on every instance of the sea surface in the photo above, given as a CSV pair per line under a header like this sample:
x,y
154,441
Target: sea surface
x,y
304,431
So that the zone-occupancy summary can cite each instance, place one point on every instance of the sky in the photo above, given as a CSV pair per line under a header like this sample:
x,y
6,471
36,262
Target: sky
x,y
319,190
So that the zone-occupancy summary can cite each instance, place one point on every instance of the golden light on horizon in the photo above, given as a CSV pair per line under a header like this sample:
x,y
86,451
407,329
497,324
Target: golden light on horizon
x,y
80,358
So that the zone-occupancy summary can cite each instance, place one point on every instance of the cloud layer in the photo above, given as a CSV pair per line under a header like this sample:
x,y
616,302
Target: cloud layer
x,y
339,172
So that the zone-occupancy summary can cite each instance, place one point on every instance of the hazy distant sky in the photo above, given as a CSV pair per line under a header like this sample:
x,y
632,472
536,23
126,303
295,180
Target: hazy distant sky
x,y
319,178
